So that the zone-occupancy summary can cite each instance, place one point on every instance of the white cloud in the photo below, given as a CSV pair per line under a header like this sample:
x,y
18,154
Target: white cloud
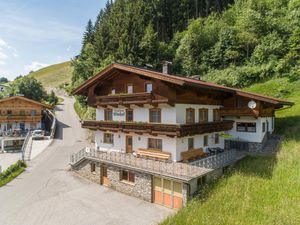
x,y
2,63
34,66
3,43
2,55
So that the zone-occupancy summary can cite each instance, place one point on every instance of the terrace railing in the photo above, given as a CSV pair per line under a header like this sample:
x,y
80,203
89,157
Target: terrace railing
x,y
176,170
216,161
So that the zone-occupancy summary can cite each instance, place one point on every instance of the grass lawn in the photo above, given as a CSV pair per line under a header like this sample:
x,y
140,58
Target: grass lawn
x,y
12,176
258,190
53,76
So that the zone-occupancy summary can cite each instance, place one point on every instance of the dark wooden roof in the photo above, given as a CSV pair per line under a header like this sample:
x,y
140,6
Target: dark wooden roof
x,y
178,80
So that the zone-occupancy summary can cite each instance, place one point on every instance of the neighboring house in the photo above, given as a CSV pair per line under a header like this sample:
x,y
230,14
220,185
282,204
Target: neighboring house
x,y
159,137
18,115
3,87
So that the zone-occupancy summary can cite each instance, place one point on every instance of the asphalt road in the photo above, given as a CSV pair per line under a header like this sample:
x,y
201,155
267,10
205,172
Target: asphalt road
x,y
48,193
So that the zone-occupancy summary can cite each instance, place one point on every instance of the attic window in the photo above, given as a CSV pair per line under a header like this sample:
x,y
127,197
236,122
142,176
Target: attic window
x,y
148,87
129,88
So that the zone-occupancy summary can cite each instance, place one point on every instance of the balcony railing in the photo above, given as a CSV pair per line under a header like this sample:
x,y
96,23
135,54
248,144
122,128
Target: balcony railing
x,y
178,130
216,161
237,112
21,118
127,99
176,170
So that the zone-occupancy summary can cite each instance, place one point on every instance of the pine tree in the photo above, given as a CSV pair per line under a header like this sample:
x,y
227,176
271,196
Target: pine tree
x,y
88,35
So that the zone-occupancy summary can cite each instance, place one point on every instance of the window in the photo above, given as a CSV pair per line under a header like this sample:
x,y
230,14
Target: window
x,y
22,112
155,115
129,115
108,114
205,140
272,125
246,127
263,127
93,167
203,115
33,112
190,143
217,115
201,181
190,115
127,176
155,143
108,138
217,138
9,112
113,91
148,87
129,88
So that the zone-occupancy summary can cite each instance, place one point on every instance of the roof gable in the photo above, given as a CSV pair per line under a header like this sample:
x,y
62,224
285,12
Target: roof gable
x,y
178,80
25,99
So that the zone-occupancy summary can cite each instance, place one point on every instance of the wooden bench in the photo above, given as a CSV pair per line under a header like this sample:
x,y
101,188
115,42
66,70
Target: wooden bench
x,y
192,154
154,153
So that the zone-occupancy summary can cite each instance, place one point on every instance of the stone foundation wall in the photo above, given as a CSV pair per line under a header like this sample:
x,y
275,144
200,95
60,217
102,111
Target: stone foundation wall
x,y
84,170
141,188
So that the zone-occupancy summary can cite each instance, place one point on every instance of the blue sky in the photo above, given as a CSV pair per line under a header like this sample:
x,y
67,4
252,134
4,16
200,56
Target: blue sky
x,y
37,33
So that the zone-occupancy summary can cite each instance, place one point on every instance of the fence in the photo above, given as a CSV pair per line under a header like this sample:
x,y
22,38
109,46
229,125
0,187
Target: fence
x,y
181,171
216,161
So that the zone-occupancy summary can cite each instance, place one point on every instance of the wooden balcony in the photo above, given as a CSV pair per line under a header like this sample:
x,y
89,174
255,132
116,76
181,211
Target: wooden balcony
x,y
127,99
238,112
20,118
178,130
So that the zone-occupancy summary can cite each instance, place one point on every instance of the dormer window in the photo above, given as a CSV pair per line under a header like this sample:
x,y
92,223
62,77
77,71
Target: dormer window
x,y
129,88
113,91
148,87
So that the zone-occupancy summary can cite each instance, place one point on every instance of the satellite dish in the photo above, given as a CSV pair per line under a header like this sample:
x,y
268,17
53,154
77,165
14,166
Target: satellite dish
x,y
252,104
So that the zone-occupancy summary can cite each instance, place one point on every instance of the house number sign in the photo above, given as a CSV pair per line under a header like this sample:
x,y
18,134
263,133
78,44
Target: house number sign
x,y
119,112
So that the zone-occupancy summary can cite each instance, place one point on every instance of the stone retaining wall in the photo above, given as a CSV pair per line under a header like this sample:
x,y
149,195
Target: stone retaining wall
x,y
84,170
141,188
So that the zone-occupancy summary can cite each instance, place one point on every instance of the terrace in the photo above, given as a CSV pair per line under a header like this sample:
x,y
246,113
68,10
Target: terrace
x,y
174,170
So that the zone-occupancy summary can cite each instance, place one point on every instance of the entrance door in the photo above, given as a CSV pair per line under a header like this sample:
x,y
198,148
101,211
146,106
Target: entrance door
x,y
128,144
104,179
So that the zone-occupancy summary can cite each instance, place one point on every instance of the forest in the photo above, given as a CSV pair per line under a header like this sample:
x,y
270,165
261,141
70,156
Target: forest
x,y
234,43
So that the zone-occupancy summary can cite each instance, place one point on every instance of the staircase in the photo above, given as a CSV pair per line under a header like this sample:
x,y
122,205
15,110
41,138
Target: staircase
x,y
272,144
27,146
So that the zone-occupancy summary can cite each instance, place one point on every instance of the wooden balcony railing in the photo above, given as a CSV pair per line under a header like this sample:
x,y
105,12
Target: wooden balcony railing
x,y
19,118
238,112
127,99
178,130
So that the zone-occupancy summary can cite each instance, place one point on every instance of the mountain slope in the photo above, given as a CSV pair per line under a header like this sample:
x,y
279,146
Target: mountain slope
x,y
258,190
54,75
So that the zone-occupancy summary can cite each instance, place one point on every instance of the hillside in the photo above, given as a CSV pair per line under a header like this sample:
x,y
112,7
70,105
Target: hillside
x,y
54,75
259,190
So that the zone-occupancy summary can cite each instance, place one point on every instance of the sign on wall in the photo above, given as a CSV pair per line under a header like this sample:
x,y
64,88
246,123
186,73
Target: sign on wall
x,y
119,112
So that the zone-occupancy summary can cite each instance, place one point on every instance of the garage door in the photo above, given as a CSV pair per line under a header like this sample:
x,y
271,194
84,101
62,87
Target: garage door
x,y
167,192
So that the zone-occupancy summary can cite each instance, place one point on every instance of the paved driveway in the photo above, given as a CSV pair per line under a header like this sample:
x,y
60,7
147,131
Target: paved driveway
x,y
47,193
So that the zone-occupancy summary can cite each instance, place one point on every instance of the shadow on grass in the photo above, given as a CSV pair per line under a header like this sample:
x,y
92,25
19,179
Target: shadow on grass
x,y
289,127
259,166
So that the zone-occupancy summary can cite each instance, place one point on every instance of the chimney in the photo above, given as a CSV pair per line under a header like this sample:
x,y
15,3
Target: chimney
x,y
166,67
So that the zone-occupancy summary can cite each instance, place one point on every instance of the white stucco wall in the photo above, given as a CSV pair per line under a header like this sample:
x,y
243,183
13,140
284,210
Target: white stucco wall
x,y
138,141
168,114
249,136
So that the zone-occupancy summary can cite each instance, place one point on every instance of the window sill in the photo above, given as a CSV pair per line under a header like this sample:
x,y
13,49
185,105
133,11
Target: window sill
x,y
128,182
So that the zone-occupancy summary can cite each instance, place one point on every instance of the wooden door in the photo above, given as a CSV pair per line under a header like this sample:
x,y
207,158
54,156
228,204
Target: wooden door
x,y
104,179
177,195
157,190
167,193
128,144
